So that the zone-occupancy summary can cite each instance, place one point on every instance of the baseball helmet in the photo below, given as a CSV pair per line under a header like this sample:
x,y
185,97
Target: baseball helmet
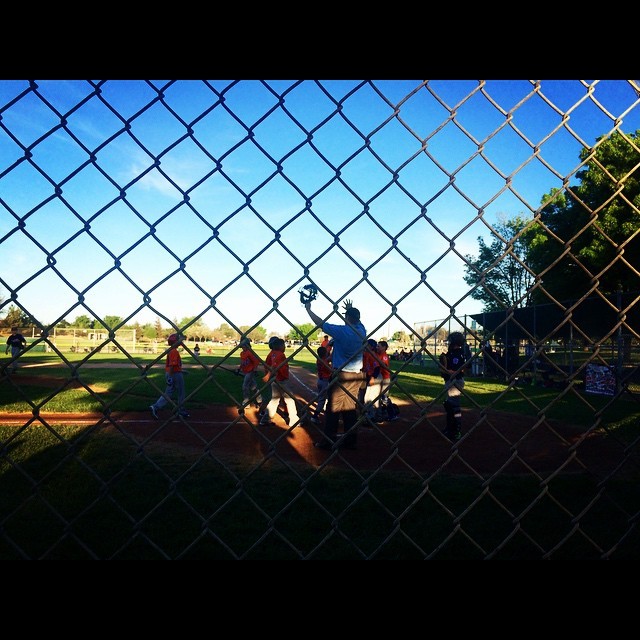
x,y
273,340
456,338
174,338
245,342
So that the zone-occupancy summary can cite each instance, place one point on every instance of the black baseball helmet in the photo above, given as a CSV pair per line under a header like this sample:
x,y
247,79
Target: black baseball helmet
x,y
456,338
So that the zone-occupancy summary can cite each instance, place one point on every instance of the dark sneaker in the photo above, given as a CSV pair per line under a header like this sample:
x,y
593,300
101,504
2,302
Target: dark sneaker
x,y
154,411
184,414
324,445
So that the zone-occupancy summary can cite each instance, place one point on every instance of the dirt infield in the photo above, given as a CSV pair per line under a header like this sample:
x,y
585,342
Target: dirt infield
x,y
492,442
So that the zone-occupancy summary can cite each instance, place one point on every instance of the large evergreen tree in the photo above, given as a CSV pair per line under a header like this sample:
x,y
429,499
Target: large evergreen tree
x,y
587,237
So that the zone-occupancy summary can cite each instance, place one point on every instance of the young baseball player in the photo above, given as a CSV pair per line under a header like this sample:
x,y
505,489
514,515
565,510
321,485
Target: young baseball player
x,y
276,368
385,372
248,368
323,368
16,342
174,378
453,363
370,389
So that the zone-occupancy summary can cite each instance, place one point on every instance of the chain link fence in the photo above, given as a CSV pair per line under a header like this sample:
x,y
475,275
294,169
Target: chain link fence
x,y
190,202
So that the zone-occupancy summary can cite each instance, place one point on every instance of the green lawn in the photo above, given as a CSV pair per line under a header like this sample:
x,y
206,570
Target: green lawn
x,y
80,492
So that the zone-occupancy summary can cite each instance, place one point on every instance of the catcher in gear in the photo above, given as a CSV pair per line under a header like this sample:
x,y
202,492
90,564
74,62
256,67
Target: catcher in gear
x,y
453,364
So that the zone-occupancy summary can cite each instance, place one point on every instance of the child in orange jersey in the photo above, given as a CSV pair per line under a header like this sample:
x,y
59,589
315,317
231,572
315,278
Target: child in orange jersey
x,y
385,408
248,368
277,372
323,367
327,344
370,388
174,379
385,372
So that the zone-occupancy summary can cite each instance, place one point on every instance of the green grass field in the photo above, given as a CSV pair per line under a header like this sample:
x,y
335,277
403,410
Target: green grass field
x,y
138,380
74,492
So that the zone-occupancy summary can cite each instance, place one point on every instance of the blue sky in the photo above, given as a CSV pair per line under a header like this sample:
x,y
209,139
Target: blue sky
x,y
255,178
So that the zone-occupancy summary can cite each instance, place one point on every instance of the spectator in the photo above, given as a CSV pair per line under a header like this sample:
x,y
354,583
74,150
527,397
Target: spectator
x,y
489,358
347,377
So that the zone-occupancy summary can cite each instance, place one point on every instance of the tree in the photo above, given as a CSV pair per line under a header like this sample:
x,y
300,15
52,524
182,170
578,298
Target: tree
x,y
84,322
149,331
499,272
401,337
157,326
110,323
225,332
587,237
256,335
301,331
15,317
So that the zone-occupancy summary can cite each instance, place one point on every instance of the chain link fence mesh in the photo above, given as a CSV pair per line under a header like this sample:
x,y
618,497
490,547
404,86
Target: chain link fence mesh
x,y
233,196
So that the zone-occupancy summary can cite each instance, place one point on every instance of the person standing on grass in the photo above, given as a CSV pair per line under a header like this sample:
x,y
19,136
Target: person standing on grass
x,y
249,363
174,377
453,364
16,342
349,341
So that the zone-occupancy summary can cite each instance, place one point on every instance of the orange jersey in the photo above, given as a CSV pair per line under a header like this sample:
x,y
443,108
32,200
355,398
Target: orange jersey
x,y
384,365
174,361
323,368
369,363
249,361
277,360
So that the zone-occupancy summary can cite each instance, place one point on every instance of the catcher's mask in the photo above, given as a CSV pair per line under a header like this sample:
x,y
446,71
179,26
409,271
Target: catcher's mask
x,y
308,293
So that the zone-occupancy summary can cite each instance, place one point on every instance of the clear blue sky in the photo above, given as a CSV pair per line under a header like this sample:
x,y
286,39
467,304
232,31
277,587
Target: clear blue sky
x,y
468,151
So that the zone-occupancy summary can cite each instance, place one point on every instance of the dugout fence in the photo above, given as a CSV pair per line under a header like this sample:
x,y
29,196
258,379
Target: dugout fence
x,y
247,172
